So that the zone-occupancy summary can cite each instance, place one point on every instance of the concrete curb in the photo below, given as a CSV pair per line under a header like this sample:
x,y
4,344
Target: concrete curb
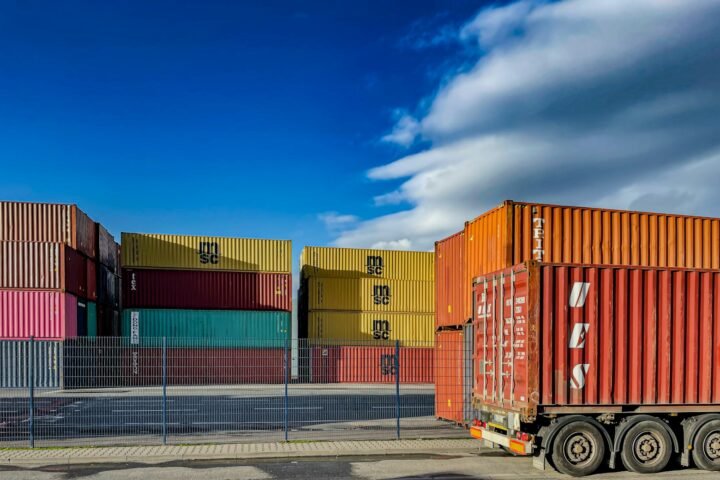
x,y
161,454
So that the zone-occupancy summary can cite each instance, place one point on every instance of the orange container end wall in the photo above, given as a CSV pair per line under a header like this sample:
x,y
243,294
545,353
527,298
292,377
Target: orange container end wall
x,y
598,336
449,375
451,307
516,232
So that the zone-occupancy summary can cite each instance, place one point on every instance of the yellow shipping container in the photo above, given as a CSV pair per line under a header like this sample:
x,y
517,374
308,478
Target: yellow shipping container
x,y
412,329
370,294
358,262
186,252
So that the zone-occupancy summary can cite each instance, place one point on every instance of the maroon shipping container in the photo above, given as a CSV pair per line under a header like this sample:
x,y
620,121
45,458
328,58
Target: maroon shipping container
x,y
587,344
44,314
47,222
206,290
450,304
91,278
346,364
43,266
202,366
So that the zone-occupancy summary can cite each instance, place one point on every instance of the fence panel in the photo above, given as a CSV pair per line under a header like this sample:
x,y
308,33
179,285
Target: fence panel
x,y
126,391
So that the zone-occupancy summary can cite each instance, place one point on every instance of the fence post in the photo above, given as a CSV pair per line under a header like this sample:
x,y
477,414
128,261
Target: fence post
x,y
286,372
31,386
164,390
397,385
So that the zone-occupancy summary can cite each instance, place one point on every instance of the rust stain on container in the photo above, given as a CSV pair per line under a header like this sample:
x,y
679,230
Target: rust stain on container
x,y
597,335
451,307
48,222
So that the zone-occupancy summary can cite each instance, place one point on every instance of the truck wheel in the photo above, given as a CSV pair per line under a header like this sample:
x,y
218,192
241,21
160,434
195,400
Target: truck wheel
x,y
647,448
706,446
578,449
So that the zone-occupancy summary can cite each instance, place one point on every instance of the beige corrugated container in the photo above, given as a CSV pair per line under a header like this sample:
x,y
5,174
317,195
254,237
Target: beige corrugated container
x,y
47,222
187,252
370,263
370,294
412,329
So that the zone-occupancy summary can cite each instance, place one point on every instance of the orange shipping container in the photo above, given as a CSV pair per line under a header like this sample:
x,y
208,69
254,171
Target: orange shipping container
x,y
515,232
449,346
450,307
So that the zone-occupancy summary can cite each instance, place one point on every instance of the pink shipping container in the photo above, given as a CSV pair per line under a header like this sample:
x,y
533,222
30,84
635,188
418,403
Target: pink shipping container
x,y
43,314
44,266
360,364
206,290
48,222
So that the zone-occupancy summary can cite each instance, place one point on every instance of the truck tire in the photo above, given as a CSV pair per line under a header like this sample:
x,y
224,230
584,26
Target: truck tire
x,y
578,449
647,447
706,446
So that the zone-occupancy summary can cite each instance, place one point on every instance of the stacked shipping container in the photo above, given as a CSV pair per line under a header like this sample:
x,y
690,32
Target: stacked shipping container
x,y
48,270
370,298
205,294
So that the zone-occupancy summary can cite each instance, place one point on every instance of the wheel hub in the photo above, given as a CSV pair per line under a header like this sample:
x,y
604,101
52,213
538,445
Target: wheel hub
x,y
712,446
578,448
647,447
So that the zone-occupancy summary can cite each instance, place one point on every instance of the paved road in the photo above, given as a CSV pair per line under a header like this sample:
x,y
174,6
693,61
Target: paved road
x,y
241,414
487,466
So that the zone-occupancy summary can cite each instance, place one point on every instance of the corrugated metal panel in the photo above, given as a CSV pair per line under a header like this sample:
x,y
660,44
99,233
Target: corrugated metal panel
x,y
108,321
108,287
214,328
371,294
107,249
202,366
368,326
605,336
449,346
15,356
91,330
92,277
43,314
42,265
187,252
452,307
358,262
194,289
360,364
45,222
468,371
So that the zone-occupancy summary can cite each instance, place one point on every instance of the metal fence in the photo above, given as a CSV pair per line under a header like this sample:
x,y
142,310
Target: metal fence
x,y
114,391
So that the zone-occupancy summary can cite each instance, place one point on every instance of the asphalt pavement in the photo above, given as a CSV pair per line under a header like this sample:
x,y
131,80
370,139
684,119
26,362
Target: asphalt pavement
x,y
247,413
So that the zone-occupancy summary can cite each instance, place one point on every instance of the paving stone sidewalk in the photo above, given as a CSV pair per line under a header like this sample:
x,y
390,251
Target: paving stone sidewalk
x,y
162,453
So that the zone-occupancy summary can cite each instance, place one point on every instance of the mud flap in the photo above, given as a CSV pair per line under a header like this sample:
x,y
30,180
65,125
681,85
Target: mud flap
x,y
540,460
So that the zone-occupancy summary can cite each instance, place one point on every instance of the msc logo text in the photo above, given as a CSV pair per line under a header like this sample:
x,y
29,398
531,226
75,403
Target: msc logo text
x,y
381,295
375,265
209,252
381,329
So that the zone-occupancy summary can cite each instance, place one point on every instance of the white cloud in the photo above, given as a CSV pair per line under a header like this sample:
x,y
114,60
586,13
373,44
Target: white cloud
x,y
604,102
334,220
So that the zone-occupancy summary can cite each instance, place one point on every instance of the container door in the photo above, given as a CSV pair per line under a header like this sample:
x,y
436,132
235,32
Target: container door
x,y
501,317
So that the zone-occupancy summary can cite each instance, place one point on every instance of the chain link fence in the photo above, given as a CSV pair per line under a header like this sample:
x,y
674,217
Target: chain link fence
x,y
128,391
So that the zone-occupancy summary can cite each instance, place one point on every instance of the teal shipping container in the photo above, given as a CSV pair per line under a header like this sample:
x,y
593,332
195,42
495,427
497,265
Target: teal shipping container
x,y
91,319
86,319
205,328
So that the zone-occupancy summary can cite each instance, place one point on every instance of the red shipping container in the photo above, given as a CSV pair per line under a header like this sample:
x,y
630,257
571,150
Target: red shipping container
x,y
206,290
42,266
450,305
43,314
353,364
449,375
597,339
201,366
48,222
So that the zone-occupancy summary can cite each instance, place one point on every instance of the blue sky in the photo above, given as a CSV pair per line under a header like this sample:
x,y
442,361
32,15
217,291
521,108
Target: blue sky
x,y
382,123
228,118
